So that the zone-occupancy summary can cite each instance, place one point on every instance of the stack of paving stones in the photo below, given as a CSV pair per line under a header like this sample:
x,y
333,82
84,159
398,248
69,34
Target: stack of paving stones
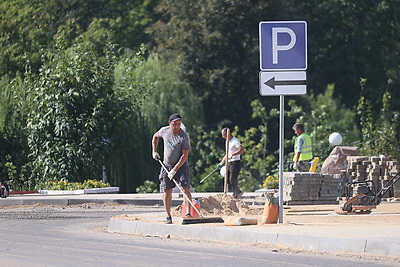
x,y
378,169
304,188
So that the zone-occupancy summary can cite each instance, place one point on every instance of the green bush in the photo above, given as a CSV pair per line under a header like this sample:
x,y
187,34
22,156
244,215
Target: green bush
x,y
148,187
271,182
65,185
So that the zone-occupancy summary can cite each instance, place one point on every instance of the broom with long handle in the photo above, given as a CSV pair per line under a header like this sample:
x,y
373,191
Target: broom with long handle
x,y
216,169
202,219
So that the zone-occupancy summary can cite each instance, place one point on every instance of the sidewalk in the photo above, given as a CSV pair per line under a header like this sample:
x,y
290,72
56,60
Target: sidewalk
x,y
305,227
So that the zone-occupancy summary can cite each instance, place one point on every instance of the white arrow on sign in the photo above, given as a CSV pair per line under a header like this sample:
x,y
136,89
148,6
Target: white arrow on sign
x,y
283,83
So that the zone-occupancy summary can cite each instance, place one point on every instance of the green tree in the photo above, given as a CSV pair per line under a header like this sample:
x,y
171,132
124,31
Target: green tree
x,y
31,29
80,117
258,160
380,134
28,28
207,151
70,128
129,162
218,41
13,146
169,93
4,100
348,40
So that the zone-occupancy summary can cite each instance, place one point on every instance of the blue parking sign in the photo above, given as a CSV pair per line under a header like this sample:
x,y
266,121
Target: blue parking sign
x,y
283,45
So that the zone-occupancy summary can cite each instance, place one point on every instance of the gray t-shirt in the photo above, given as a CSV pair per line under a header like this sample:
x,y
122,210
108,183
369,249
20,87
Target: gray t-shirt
x,y
173,144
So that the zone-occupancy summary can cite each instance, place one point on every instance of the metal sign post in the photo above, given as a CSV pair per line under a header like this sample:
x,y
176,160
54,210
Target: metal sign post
x,y
281,151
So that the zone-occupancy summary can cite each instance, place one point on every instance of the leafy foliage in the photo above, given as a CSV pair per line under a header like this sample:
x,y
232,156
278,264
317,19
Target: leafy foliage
x,y
206,153
166,92
271,182
80,117
70,129
257,160
79,91
64,185
349,40
321,115
169,93
148,187
4,100
218,41
13,146
379,133
29,28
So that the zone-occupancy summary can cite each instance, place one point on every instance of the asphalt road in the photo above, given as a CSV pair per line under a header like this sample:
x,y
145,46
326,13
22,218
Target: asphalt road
x,y
77,236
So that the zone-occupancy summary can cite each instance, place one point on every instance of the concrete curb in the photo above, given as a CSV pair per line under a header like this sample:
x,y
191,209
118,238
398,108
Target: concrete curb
x,y
77,201
104,190
251,236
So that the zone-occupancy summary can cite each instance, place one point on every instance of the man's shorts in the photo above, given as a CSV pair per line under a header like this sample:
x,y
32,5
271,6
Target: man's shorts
x,y
181,176
304,166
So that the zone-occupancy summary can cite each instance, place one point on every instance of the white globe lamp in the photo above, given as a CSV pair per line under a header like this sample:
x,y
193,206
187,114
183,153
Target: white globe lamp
x,y
335,139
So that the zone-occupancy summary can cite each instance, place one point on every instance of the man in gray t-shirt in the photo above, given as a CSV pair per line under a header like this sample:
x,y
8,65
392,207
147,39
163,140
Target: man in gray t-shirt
x,y
173,144
176,152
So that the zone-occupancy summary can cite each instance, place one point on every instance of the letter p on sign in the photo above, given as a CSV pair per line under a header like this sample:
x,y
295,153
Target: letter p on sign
x,y
283,45
275,45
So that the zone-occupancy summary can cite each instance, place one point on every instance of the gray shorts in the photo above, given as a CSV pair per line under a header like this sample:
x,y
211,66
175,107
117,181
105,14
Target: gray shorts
x,y
182,177
304,166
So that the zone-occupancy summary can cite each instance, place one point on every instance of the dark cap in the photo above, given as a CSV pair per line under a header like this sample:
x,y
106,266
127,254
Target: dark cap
x,y
174,117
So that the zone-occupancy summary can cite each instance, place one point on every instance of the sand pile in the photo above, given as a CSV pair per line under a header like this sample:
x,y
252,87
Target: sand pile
x,y
222,205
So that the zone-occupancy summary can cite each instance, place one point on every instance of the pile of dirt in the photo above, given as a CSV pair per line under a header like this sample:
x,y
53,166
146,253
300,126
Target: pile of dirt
x,y
221,205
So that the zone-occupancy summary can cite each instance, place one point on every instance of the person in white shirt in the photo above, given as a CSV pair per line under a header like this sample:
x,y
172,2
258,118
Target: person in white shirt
x,y
234,166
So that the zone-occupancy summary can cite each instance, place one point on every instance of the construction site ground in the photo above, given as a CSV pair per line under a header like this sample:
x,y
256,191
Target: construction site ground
x,y
315,227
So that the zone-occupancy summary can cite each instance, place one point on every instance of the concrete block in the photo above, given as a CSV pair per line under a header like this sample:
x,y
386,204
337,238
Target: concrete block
x,y
288,175
310,242
122,226
212,233
10,201
355,245
395,249
267,238
243,236
378,247
290,240
374,159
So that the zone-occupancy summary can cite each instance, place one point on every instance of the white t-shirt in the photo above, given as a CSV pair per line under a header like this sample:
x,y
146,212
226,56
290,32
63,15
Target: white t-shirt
x,y
234,145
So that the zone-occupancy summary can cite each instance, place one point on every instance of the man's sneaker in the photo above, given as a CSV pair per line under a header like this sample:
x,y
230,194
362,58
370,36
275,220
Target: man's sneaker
x,y
168,220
